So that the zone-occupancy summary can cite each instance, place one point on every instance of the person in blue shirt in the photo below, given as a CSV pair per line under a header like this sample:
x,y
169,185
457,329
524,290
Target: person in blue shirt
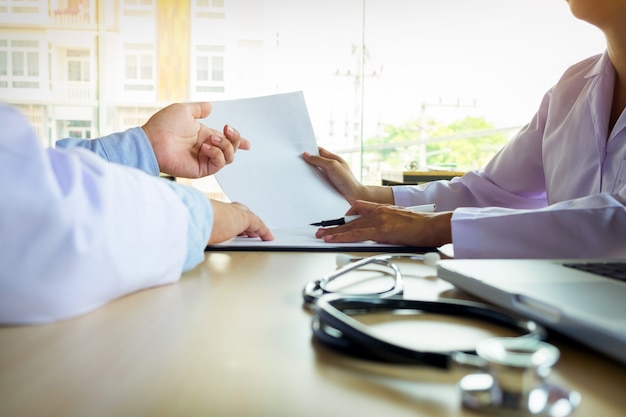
x,y
88,221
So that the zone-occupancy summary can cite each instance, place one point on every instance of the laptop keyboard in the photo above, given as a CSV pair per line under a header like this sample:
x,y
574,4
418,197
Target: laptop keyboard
x,y
616,270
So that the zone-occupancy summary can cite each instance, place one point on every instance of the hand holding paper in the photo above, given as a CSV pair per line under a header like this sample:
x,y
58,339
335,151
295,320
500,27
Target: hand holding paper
x,y
271,178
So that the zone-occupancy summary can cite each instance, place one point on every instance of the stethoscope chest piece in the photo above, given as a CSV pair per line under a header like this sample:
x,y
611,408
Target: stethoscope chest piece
x,y
512,380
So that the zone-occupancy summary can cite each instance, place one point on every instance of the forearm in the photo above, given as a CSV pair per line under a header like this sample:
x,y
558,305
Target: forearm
x,y
377,194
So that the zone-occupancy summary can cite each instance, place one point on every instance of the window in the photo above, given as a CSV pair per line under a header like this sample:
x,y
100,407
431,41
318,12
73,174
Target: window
x,y
139,7
390,85
76,85
210,9
78,65
76,129
21,7
127,117
211,3
139,67
19,64
210,68
36,113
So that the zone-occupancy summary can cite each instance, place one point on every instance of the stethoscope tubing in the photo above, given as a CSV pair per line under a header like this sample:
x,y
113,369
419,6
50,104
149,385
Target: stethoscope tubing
x,y
333,326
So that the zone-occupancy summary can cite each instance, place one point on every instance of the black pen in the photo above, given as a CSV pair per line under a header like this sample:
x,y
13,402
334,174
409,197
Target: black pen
x,y
347,219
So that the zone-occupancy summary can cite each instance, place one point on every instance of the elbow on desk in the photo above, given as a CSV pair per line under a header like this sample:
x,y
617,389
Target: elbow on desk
x,y
70,274
45,294
31,295
18,309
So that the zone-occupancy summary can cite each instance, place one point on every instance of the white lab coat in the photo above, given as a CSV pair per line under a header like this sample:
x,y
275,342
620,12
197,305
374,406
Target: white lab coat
x,y
77,231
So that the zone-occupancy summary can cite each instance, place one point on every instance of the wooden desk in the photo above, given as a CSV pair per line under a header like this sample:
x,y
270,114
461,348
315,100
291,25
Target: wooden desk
x,y
232,339
417,177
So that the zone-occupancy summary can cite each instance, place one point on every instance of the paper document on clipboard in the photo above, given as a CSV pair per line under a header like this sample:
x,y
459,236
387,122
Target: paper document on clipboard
x,y
272,179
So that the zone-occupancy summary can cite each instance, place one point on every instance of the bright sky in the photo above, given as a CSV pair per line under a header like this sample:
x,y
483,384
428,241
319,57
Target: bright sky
x,y
504,54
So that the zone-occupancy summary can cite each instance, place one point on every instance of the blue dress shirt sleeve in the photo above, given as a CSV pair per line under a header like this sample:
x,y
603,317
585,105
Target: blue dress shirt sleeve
x,y
130,148
200,222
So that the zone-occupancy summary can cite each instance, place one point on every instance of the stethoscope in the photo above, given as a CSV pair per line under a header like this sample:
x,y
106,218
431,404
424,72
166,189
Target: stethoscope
x,y
315,289
508,374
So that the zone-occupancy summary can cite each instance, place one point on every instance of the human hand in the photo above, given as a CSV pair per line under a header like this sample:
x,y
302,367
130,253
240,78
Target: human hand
x,y
337,171
186,148
339,174
389,224
235,219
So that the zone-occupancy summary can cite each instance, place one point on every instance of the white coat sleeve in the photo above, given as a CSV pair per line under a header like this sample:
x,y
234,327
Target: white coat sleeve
x,y
589,227
76,231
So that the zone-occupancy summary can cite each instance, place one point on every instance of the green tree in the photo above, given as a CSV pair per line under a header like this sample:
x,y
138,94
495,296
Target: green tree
x,y
397,149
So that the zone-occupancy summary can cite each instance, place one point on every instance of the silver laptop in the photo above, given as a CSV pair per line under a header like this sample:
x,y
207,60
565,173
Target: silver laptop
x,y
563,295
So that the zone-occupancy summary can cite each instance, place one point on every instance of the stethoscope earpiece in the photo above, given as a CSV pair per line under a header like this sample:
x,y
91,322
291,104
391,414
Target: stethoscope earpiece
x,y
429,258
343,259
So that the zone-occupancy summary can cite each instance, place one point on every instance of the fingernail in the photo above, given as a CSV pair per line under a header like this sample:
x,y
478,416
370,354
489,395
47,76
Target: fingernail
x,y
216,138
230,130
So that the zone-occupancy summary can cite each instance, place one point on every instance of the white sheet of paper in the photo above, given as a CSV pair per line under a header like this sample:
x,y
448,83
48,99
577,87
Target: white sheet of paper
x,y
300,238
271,178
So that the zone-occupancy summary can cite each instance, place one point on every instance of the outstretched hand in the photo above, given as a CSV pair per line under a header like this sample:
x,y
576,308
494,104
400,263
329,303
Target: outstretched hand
x,y
186,148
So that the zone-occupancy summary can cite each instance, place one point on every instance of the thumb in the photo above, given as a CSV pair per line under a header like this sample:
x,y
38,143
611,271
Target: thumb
x,y
201,109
